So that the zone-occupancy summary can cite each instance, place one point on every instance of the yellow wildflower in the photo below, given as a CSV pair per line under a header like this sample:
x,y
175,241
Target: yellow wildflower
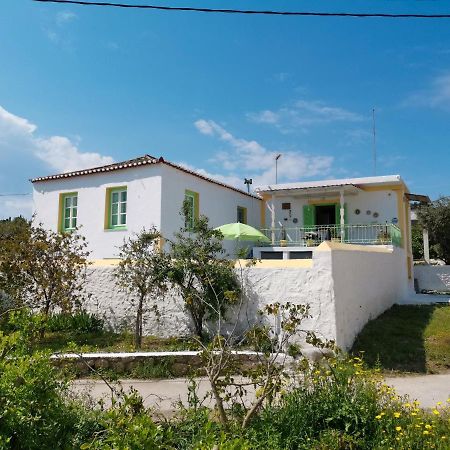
x,y
426,432
398,428
436,412
378,417
397,415
428,427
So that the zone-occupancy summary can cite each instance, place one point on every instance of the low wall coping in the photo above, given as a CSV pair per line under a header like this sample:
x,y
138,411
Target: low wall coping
x,y
105,355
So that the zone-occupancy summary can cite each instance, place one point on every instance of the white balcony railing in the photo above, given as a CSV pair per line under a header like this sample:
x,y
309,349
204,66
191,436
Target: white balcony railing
x,y
372,234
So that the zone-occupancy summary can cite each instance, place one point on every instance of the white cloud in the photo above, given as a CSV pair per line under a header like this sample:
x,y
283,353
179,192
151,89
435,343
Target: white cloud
x,y
62,155
16,206
436,95
64,17
59,153
303,114
248,158
27,154
11,124
57,28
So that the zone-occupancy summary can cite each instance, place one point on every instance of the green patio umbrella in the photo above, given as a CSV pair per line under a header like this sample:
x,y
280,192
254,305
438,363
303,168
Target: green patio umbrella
x,y
242,232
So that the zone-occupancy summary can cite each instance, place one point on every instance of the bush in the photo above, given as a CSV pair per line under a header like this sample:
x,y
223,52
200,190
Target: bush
x,y
343,406
417,241
33,411
81,322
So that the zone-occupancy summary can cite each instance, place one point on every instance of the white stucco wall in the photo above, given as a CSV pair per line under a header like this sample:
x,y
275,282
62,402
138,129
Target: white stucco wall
x,y
383,202
155,195
143,204
262,286
366,283
433,278
344,288
219,204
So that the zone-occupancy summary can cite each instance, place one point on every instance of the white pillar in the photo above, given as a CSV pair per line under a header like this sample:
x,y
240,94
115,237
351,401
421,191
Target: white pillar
x,y
272,211
426,246
342,214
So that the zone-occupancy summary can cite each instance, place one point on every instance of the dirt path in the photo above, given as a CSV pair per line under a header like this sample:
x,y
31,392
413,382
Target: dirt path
x,y
164,394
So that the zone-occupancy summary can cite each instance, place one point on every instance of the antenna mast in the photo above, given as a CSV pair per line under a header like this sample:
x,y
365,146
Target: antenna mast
x,y
374,149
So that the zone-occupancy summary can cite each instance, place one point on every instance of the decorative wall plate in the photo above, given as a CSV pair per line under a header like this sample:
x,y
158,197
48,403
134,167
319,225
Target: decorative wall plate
x,y
368,212
375,214
357,211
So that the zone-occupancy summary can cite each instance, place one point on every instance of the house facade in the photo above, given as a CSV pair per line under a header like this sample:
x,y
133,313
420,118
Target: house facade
x,y
111,203
364,211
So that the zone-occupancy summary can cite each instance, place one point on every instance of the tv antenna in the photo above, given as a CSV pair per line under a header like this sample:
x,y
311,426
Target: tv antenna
x,y
374,145
248,182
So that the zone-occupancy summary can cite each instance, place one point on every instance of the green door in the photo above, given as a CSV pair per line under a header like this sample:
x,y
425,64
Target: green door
x,y
309,215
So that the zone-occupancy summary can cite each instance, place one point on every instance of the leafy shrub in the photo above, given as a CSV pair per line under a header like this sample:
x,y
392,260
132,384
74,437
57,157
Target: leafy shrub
x,y
342,406
128,425
80,321
33,412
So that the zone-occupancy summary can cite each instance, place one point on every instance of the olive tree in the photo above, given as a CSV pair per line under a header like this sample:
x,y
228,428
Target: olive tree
x,y
435,217
43,269
204,278
143,272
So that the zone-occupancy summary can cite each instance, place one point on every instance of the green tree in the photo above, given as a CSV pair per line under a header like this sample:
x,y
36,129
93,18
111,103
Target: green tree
x,y
204,278
143,272
436,218
417,241
13,228
43,269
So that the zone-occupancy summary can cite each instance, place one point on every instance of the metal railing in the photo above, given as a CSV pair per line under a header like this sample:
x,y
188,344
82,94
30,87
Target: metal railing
x,y
372,234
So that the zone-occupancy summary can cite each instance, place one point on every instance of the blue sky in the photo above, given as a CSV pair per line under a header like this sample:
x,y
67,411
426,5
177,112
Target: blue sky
x,y
84,86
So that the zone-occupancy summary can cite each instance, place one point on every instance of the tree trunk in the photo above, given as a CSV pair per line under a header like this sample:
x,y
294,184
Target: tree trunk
x,y
138,325
45,311
219,403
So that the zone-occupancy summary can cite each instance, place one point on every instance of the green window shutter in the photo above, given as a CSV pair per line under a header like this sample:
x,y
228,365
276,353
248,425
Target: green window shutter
x,y
68,211
116,208
193,200
308,215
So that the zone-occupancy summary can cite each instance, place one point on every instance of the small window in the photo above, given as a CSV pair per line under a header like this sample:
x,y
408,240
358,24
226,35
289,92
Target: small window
x,y
285,206
69,211
116,206
241,214
191,199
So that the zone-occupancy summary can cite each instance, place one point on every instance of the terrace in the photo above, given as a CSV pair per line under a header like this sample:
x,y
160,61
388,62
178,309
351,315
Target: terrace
x,y
364,211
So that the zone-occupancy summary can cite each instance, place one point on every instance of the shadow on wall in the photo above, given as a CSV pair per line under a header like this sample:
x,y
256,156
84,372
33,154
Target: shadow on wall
x,y
397,339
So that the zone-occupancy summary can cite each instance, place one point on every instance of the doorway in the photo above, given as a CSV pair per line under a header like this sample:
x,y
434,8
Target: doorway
x,y
325,214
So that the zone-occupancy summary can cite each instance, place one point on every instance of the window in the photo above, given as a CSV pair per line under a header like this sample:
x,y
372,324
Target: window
x,y
116,208
68,211
191,200
241,214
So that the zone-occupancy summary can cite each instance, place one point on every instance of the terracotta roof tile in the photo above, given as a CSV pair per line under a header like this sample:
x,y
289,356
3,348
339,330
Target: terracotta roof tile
x,y
137,162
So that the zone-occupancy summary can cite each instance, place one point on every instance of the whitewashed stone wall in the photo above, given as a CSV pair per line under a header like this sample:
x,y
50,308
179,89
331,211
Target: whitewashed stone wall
x,y
344,289
365,285
116,306
433,278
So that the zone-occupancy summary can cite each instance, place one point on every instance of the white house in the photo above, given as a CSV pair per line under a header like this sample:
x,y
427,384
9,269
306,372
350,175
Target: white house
x,y
341,246
368,211
112,202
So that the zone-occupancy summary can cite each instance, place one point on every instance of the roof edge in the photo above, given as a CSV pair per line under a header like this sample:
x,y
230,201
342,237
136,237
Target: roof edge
x,y
137,162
